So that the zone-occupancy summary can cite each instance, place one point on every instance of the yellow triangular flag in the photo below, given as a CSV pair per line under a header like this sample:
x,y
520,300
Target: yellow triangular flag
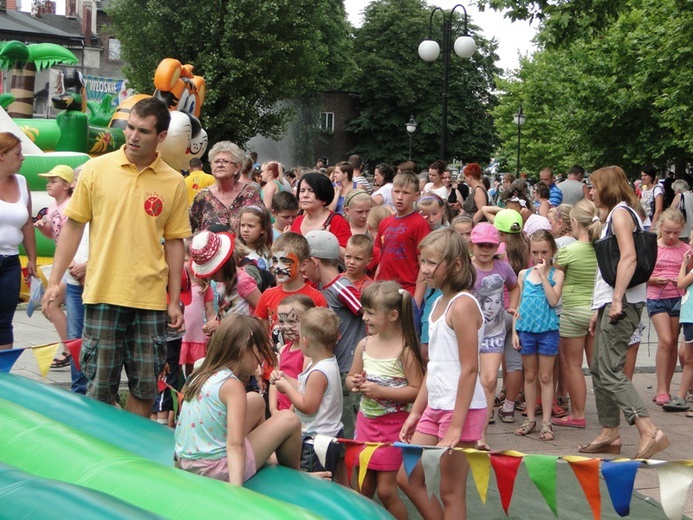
x,y
44,356
480,464
365,458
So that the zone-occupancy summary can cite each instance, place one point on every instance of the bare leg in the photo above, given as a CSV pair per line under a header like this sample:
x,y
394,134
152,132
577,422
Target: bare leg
x,y
488,375
686,355
546,371
415,486
530,365
572,352
281,433
453,484
666,349
387,493
139,406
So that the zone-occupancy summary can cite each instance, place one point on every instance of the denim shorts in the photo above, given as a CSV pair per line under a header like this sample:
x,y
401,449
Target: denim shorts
x,y
688,332
543,343
672,306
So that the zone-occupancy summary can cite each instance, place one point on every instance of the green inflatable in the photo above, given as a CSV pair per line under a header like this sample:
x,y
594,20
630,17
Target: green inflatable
x,y
155,442
24,496
51,450
35,164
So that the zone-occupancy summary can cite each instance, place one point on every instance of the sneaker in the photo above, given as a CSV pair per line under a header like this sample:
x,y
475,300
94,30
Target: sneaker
x,y
506,417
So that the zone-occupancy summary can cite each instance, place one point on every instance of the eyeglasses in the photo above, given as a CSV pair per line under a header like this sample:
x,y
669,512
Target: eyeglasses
x,y
223,162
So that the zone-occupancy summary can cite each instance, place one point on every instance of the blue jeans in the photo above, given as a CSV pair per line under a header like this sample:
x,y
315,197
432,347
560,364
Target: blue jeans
x,y
75,325
10,283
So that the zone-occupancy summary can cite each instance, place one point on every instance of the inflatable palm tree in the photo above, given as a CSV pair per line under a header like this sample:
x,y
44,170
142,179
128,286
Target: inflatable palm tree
x,y
25,60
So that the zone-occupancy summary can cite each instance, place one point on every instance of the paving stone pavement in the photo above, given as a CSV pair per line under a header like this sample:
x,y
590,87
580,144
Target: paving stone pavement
x,y
37,330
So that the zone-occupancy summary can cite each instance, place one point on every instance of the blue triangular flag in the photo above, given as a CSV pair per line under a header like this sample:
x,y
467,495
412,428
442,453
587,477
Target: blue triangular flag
x,y
411,454
620,478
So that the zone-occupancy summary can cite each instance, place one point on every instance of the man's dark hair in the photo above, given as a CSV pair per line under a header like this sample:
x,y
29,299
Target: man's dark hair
x,y
153,107
355,161
196,163
576,169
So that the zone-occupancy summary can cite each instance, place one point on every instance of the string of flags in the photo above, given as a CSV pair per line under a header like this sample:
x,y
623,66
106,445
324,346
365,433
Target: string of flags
x,y
619,474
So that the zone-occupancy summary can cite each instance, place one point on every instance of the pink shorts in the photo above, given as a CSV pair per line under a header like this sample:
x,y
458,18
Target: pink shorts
x,y
191,352
219,468
383,429
436,422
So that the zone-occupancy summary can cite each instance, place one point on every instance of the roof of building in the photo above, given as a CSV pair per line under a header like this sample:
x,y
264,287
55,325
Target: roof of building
x,y
51,28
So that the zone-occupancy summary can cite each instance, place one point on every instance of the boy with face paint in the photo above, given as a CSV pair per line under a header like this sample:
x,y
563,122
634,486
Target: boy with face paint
x,y
290,255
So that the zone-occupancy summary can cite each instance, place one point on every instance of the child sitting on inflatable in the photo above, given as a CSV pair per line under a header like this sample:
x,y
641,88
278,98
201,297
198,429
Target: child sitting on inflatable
x,y
222,432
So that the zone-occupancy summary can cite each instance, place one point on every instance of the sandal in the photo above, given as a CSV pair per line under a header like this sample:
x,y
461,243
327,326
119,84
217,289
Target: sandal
x,y
526,428
62,361
546,433
676,405
689,413
558,411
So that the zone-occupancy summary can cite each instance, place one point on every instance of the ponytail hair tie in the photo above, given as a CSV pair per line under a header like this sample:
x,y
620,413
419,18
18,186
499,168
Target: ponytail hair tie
x,y
401,292
595,218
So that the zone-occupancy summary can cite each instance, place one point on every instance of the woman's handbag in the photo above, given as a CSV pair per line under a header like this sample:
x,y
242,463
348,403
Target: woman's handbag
x,y
608,254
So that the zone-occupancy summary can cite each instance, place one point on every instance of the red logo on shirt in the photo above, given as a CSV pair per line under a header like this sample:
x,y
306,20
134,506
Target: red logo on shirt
x,y
153,205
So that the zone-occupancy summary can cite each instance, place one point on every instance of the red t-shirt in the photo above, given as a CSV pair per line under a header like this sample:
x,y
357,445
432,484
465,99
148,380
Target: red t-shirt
x,y
399,239
338,226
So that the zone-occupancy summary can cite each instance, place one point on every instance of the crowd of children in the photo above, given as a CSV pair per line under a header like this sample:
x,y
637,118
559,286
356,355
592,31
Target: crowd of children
x,y
394,334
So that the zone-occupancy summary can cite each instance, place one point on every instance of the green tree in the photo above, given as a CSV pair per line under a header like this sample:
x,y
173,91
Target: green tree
x,y
252,54
394,82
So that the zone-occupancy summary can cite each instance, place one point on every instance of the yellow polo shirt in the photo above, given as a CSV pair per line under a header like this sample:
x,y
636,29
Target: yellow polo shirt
x,y
130,214
197,181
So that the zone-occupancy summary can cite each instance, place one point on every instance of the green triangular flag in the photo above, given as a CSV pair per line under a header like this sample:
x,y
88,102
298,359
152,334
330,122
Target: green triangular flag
x,y
542,471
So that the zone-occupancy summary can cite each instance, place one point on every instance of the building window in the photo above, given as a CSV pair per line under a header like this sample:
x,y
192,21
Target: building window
x,y
113,49
327,121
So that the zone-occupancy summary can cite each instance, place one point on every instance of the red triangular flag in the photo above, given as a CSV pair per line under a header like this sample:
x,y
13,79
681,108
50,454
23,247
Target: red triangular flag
x,y
74,346
351,457
505,468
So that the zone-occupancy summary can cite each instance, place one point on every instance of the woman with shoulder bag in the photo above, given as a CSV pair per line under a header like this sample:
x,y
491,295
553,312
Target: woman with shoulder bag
x,y
618,314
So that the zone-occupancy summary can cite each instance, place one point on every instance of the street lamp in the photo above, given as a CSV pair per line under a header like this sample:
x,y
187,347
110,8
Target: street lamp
x,y
519,119
411,128
429,50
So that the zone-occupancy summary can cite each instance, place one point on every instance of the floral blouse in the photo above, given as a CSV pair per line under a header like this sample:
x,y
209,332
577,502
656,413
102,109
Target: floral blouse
x,y
207,210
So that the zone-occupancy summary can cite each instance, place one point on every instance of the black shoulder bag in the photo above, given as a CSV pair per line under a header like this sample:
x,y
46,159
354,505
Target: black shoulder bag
x,y
608,254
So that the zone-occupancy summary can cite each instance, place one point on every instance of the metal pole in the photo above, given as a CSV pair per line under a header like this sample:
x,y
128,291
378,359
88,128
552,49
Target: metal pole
x,y
519,132
411,135
447,29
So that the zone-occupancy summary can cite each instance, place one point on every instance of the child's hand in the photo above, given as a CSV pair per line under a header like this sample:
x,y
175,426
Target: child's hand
x,y
358,380
210,327
513,312
370,389
658,280
542,268
405,434
276,374
516,341
687,256
451,439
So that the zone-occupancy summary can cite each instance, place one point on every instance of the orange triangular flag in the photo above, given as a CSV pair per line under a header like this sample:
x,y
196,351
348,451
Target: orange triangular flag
x,y
44,356
587,473
365,458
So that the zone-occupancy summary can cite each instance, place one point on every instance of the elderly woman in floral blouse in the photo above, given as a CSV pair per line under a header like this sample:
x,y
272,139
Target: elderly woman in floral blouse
x,y
222,202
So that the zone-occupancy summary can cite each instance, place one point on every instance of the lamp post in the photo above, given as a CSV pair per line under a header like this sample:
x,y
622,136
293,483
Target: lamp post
x,y
429,50
519,119
411,128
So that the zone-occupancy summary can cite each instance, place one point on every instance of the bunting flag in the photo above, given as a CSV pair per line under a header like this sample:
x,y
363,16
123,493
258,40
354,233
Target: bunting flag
x,y
75,346
411,454
620,478
674,481
8,358
320,445
480,465
505,466
542,471
587,473
44,356
430,460
365,458
351,455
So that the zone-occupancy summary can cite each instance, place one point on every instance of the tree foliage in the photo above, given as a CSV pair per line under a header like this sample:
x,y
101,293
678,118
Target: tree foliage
x,y
393,83
621,97
252,54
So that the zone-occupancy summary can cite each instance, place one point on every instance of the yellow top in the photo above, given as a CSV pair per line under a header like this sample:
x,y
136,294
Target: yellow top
x,y
130,214
197,181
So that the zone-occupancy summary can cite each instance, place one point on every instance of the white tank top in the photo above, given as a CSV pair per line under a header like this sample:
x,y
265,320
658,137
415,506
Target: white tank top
x,y
327,420
444,365
13,215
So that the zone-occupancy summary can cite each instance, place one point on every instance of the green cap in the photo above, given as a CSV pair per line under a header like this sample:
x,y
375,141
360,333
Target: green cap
x,y
508,221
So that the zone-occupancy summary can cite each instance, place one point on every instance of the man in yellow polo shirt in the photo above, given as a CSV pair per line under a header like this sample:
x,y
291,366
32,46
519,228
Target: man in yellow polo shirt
x,y
137,208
